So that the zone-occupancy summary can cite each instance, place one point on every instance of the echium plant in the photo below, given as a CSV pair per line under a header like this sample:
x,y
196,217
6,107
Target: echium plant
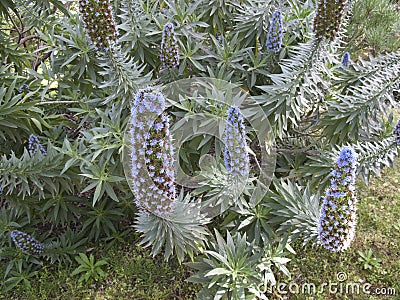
x,y
152,155
236,157
34,143
164,219
99,22
396,133
169,48
275,32
337,221
26,243
328,18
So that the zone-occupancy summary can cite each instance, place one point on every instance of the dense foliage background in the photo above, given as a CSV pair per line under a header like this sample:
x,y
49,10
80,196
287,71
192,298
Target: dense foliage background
x,y
75,96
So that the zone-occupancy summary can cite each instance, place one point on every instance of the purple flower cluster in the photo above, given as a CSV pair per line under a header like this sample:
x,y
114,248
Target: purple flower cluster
x,y
33,144
346,59
328,18
26,243
152,155
236,157
337,221
99,22
169,48
220,38
275,32
24,88
396,133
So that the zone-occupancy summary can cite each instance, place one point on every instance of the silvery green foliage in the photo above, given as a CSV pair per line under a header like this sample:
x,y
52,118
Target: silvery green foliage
x,y
251,20
293,209
64,247
220,191
35,173
337,222
81,176
13,107
363,98
75,99
237,269
297,88
372,158
123,75
136,30
179,233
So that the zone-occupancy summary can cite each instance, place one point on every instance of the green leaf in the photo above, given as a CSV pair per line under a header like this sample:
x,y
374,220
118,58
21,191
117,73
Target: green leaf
x,y
218,271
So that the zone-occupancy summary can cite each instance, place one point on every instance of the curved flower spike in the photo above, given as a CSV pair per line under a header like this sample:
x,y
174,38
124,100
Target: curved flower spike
x,y
152,155
26,243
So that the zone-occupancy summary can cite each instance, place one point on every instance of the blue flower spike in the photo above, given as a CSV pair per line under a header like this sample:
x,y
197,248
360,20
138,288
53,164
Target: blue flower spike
x,y
328,18
34,144
26,243
152,154
169,48
337,223
275,32
236,157
346,59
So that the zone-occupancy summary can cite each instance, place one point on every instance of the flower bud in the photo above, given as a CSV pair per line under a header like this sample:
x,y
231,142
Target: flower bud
x,y
328,18
99,22
346,59
169,48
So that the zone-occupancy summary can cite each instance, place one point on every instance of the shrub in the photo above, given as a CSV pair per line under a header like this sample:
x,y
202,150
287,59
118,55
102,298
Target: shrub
x,y
230,94
374,27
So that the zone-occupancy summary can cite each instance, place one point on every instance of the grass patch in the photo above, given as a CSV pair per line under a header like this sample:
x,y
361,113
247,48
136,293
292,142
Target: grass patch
x,y
131,273
378,231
